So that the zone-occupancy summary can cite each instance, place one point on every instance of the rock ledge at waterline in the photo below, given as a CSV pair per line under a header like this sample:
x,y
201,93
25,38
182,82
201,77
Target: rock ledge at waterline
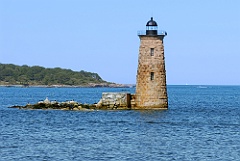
x,y
70,105
109,101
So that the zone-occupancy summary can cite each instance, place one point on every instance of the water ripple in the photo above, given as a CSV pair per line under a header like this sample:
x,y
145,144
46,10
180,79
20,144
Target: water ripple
x,y
201,124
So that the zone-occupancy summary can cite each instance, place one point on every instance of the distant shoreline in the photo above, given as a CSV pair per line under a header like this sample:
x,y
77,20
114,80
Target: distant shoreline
x,y
72,86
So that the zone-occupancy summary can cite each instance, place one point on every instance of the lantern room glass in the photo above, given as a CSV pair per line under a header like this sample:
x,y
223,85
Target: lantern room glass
x,y
151,28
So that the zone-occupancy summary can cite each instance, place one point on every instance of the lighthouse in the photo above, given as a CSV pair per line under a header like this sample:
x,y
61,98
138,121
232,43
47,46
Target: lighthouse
x,y
151,90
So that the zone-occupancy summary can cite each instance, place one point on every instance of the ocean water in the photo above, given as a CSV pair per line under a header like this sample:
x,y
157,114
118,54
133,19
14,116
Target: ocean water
x,y
202,123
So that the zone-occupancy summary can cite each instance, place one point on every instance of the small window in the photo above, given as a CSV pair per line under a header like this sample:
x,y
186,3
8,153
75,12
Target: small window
x,y
152,76
152,51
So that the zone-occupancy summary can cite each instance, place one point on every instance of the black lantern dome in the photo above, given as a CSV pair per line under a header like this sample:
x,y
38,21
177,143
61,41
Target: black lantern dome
x,y
151,27
151,22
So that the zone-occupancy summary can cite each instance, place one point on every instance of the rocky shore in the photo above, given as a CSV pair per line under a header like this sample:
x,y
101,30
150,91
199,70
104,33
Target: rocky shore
x,y
90,85
68,105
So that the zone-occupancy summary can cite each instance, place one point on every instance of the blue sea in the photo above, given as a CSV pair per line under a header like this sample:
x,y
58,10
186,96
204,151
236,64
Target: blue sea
x,y
202,123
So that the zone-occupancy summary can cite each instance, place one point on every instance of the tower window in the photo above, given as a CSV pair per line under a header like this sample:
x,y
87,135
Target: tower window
x,y
152,51
152,76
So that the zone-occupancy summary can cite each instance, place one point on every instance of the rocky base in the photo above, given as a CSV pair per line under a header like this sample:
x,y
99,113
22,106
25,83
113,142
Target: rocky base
x,y
103,104
69,105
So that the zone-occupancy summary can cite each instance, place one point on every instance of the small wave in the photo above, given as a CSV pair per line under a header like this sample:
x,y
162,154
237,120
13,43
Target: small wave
x,y
201,87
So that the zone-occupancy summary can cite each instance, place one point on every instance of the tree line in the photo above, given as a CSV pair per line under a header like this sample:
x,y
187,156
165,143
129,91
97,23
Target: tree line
x,y
37,75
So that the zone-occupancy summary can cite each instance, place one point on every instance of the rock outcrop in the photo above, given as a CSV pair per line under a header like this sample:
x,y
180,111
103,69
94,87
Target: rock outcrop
x,y
68,105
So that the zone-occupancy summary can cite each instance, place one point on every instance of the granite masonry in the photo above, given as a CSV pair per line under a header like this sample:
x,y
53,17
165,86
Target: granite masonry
x,y
151,91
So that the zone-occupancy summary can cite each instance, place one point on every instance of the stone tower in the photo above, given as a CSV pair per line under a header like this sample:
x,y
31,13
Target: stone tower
x,y
151,91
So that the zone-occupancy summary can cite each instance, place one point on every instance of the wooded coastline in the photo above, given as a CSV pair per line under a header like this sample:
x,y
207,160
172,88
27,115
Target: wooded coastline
x,y
14,75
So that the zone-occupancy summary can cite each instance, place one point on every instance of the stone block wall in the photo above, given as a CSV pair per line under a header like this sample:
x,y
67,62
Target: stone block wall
x,y
151,91
116,100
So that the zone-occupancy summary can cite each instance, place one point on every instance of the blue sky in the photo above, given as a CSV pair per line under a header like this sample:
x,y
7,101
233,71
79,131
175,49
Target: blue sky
x,y
202,46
